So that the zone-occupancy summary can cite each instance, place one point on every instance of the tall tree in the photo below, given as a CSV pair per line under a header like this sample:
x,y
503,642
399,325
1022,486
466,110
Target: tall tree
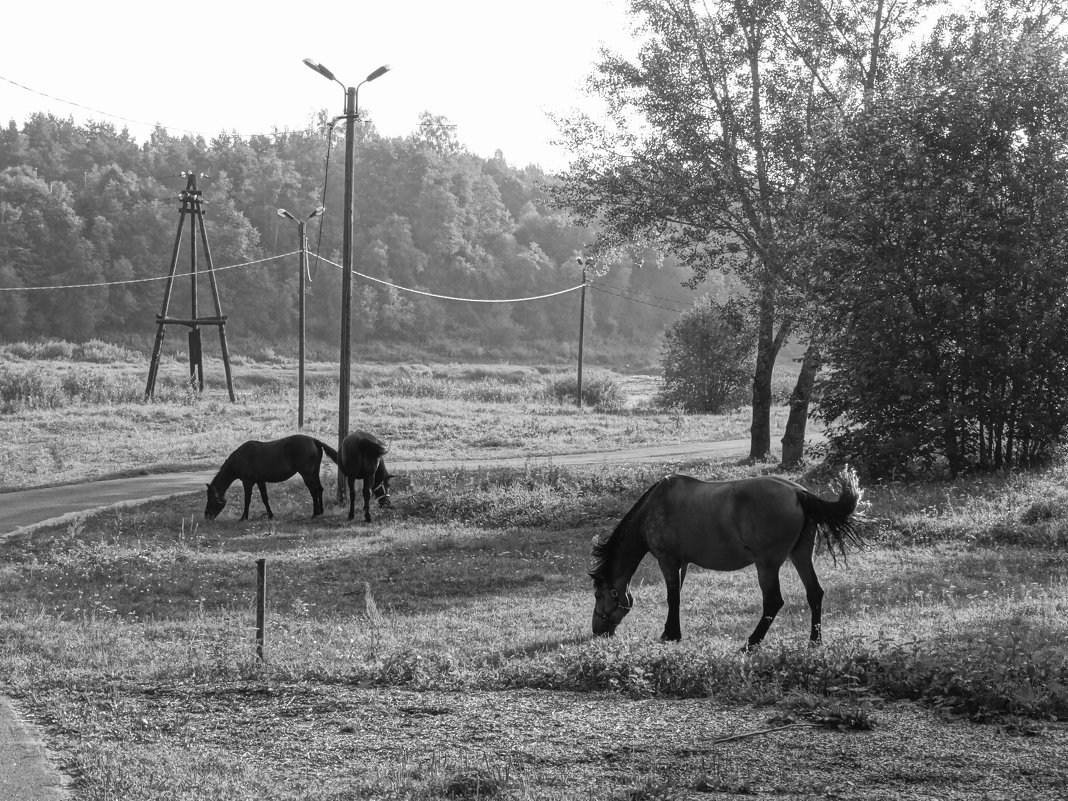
x,y
709,149
945,282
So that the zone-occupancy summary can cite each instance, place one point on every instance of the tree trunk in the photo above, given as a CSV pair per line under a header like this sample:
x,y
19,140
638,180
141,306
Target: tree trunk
x,y
793,441
768,346
760,428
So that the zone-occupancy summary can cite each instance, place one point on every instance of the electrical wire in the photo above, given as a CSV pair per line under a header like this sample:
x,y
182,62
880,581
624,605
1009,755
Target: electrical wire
x,y
453,297
100,284
313,270
596,283
142,122
643,302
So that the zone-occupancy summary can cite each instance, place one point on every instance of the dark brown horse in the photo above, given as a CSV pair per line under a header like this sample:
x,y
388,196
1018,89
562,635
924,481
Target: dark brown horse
x,y
361,457
724,525
255,463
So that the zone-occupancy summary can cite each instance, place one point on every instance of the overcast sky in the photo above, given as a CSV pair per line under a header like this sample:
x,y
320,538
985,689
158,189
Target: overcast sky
x,y
493,68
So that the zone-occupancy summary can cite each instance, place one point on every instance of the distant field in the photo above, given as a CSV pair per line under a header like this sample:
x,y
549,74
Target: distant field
x,y
68,420
444,652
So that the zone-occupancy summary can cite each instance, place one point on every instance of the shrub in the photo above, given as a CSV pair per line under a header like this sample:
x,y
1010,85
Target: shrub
x,y
599,389
706,359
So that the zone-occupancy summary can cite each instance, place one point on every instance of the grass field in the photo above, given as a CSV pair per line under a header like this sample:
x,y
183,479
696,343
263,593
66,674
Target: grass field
x,y
65,420
443,651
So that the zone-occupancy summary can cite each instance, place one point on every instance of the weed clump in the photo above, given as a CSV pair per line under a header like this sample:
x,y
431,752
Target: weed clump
x,y
599,390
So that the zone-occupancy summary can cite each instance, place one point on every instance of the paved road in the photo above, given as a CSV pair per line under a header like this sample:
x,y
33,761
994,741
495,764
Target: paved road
x,y
32,507
26,772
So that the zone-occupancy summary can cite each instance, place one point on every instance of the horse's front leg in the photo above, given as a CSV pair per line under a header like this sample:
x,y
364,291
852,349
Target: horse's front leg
x,y
673,576
367,498
263,496
247,485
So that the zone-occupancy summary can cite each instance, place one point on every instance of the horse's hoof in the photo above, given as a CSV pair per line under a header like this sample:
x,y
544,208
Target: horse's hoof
x,y
665,637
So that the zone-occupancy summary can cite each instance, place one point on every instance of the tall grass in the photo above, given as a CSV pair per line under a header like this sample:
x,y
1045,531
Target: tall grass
x,y
94,351
29,388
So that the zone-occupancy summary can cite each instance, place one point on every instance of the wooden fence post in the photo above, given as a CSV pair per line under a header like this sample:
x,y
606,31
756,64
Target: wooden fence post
x,y
261,604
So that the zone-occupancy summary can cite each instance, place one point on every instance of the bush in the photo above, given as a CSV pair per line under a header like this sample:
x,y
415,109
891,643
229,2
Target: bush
x,y
706,359
599,389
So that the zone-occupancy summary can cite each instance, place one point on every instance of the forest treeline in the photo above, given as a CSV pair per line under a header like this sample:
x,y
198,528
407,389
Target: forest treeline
x,y
85,204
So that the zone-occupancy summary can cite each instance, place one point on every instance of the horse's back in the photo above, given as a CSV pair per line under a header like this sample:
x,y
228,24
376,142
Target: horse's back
x,y
274,460
726,525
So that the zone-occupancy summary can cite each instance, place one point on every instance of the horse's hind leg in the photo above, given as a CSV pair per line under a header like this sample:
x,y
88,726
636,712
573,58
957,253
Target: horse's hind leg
x,y
673,577
367,497
802,559
263,496
768,576
351,481
315,487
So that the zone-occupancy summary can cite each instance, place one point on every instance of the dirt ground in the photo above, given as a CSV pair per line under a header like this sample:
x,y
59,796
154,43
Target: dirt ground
x,y
349,742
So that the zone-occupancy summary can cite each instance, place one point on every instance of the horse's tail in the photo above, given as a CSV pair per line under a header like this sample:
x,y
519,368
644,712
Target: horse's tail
x,y
836,521
326,449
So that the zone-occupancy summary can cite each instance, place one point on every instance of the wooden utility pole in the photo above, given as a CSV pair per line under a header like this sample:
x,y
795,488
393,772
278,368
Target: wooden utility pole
x,y
582,324
192,206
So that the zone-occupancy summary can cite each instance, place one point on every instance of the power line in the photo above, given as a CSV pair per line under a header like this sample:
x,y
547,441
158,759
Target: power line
x,y
100,284
599,286
453,297
643,302
141,122
597,283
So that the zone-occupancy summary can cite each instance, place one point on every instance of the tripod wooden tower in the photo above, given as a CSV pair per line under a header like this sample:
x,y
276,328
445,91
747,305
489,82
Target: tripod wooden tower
x,y
191,206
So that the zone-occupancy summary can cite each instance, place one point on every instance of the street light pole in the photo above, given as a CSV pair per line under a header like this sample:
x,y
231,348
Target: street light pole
x,y
345,371
584,263
303,243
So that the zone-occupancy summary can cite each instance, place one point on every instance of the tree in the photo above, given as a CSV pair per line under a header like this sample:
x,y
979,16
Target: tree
x,y
706,357
719,165
946,297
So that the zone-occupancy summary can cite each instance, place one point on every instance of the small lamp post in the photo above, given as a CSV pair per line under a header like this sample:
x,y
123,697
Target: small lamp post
x,y
302,241
345,371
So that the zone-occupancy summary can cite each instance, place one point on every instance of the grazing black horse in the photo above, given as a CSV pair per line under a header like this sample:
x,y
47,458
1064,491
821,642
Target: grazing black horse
x,y
255,463
723,526
361,457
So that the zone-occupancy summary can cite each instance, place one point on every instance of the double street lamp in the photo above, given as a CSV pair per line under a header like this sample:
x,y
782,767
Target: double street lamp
x,y
350,116
303,243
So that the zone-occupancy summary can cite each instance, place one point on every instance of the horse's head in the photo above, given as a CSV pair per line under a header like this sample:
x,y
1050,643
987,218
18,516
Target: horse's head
x,y
381,487
611,604
216,503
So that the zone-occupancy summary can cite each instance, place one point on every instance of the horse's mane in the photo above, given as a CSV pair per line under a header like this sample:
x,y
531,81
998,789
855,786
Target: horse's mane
x,y
603,549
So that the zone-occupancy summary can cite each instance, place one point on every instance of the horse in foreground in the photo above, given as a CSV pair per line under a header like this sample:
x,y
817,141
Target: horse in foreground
x,y
256,463
723,525
361,457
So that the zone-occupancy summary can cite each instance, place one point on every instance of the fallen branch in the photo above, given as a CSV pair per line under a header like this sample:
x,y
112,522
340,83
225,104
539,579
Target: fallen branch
x,y
743,735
